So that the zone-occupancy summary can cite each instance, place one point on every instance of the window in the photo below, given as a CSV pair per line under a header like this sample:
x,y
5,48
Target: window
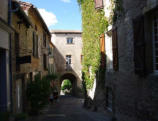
x,y
109,51
69,40
35,45
115,50
44,40
68,59
44,62
17,48
98,4
155,44
68,62
102,50
110,48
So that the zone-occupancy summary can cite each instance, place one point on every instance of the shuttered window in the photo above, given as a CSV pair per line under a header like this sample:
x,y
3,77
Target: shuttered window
x,y
98,4
44,40
35,45
102,49
68,59
115,49
155,44
69,40
139,45
17,49
17,44
45,62
68,62
81,58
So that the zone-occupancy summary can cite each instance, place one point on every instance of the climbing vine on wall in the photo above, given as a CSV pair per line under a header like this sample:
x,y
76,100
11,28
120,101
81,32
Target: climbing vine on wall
x,y
93,25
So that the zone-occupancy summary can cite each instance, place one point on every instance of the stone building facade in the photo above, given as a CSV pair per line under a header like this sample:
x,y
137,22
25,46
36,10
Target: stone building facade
x,y
67,55
21,56
30,45
131,86
41,37
5,79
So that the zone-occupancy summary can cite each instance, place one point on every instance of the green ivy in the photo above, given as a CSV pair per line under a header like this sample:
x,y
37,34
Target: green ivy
x,y
66,85
93,25
38,92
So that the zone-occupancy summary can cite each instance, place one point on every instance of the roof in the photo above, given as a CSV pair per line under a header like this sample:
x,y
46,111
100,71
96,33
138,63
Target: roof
x,y
27,6
19,11
66,32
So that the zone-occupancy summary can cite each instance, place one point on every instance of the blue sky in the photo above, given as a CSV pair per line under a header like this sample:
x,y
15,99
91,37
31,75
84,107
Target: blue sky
x,y
59,14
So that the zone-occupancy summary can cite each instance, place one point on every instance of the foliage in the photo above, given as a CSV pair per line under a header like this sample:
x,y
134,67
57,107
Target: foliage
x,y
38,91
93,25
66,85
51,77
20,116
4,116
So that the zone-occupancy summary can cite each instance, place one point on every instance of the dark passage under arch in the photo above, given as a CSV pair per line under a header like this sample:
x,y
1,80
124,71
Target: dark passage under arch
x,y
73,81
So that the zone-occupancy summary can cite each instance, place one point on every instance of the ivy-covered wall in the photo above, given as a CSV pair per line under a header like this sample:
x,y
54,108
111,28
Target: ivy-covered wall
x,y
93,25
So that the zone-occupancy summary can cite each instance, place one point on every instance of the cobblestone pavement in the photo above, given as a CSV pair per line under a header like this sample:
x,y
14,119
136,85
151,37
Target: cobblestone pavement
x,y
70,109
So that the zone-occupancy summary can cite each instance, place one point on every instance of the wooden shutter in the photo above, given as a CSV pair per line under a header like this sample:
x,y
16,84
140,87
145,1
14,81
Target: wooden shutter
x,y
17,50
102,49
139,45
98,4
34,43
17,44
44,39
115,49
44,61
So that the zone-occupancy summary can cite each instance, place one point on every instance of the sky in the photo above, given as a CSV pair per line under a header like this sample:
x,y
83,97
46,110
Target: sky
x,y
59,14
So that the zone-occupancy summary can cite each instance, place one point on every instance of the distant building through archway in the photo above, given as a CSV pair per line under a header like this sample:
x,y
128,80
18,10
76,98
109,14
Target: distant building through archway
x,y
67,57
73,81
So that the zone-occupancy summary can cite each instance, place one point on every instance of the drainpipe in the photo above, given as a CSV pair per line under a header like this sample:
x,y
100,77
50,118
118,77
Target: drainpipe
x,y
10,56
10,11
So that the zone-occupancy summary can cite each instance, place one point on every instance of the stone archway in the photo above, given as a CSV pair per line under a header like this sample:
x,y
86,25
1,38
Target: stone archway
x,y
73,80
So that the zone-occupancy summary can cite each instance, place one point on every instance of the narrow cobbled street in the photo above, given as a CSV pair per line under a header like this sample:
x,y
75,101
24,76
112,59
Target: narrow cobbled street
x,y
69,109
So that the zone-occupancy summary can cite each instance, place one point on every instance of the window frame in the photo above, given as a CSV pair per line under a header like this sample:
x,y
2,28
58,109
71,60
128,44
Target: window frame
x,y
68,58
69,42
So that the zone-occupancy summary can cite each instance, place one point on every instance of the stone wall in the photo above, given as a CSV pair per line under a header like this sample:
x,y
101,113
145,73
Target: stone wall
x,y
5,31
4,10
133,96
24,26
